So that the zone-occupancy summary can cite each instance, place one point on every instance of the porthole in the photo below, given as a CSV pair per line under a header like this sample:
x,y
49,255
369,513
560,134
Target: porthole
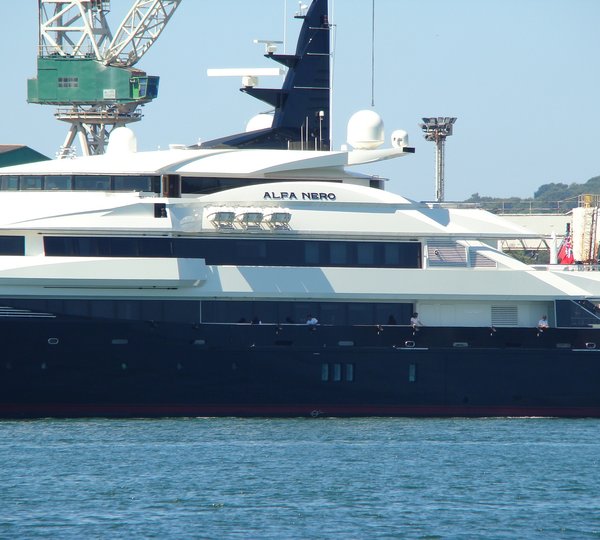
x,y
349,372
590,345
409,344
337,372
52,341
412,373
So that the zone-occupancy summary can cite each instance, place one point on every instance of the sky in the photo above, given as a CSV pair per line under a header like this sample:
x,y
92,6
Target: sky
x,y
521,76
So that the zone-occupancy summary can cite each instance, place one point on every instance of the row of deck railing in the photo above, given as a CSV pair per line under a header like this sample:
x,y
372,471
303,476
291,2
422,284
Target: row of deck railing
x,y
530,207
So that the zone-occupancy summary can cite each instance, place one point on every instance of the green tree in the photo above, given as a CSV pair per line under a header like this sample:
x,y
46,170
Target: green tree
x,y
563,195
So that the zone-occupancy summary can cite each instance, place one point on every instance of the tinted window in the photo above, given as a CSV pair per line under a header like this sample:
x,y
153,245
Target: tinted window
x,y
12,245
576,313
311,253
199,185
245,252
391,254
30,182
338,254
269,312
205,185
365,254
333,313
91,183
132,183
124,247
62,183
155,247
251,252
327,313
10,183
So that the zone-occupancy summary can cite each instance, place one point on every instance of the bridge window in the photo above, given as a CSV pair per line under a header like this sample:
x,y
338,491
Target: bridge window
x,y
30,182
91,183
9,183
58,182
132,183
61,183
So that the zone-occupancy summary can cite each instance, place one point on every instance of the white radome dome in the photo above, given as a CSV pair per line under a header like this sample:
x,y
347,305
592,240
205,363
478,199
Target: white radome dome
x,y
260,121
399,138
365,130
122,140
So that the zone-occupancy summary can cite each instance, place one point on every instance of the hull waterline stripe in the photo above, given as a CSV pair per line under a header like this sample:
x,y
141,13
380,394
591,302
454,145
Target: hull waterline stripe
x,y
15,410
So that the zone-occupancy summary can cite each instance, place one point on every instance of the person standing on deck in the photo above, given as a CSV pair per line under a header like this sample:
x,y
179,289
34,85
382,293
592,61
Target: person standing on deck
x,y
311,320
415,321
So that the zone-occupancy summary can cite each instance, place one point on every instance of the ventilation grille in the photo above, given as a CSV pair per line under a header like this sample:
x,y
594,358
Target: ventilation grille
x,y
446,254
13,313
479,260
505,315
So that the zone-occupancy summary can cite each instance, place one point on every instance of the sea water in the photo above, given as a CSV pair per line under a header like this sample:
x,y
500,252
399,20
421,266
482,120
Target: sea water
x,y
300,478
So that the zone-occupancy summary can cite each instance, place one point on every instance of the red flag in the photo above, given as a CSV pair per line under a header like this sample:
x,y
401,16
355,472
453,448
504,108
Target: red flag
x,y
565,252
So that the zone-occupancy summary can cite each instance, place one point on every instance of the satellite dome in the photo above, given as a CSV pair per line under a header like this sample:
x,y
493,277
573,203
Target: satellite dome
x,y
260,121
365,130
399,138
122,140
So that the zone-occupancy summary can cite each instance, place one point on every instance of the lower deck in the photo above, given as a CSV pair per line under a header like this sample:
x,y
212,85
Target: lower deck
x,y
69,367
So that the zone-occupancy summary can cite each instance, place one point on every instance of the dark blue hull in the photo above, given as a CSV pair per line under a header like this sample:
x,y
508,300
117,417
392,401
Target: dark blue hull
x,y
64,367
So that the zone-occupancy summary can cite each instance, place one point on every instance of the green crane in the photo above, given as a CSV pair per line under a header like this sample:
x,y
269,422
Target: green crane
x,y
89,74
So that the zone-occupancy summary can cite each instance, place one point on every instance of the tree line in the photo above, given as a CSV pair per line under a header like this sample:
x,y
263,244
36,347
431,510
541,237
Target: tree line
x,y
548,198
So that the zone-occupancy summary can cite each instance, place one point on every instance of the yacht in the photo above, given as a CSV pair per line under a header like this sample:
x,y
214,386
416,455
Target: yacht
x,y
258,275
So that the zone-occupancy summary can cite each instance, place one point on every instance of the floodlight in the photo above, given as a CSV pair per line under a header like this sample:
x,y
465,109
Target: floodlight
x,y
436,130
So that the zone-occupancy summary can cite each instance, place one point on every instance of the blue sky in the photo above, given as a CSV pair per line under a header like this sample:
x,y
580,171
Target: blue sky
x,y
522,76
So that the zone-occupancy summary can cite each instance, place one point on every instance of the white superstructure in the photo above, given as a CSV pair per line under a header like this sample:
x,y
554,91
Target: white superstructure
x,y
461,278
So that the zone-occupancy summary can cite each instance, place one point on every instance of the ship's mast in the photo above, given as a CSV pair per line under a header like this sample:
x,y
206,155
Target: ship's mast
x,y
88,74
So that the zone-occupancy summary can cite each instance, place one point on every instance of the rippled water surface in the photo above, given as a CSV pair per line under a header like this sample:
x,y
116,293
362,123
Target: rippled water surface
x,y
300,478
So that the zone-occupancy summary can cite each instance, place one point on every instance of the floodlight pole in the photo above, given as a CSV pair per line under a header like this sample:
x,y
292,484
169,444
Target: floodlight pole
x,y
436,130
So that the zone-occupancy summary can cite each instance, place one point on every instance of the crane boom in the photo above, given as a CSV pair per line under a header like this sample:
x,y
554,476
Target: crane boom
x,y
139,30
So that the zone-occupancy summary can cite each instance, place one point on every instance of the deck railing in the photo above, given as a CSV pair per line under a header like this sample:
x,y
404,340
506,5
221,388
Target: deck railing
x,y
527,206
